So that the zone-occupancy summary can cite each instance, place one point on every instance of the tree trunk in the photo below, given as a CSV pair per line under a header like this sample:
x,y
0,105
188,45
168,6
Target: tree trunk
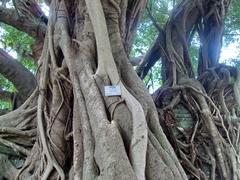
x,y
80,132
208,146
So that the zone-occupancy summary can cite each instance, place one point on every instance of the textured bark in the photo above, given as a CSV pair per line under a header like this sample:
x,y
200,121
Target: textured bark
x,y
34,28
22,78
119,137
210,33
210,138
74,131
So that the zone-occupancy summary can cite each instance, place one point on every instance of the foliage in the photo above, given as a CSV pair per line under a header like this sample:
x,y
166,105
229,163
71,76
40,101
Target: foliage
x,y
19,42
232,23
153,80
13,40
232,33
8,86
146,32
5,105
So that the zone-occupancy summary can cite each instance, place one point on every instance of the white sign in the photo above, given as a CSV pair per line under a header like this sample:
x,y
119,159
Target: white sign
x,y
112,90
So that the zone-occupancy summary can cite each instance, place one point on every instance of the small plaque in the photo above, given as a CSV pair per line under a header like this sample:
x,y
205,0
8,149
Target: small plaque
x,y
112,90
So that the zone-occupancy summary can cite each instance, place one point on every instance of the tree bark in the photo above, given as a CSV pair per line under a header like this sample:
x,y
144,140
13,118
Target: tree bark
x,y
22,78
69,128
203,98
117,137
33,27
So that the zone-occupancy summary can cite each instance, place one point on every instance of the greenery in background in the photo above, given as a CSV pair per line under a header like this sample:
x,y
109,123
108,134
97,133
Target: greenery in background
x,y
232,30
161,10
153,79
232,23
5,105
18,42
6,84
147,33
193,52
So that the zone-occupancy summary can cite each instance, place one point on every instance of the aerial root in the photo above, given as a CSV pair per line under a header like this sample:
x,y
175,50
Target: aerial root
x,y
205,110
107,67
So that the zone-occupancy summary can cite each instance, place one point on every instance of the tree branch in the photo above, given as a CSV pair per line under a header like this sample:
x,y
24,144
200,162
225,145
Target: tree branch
x,y
21,77
153,54
35,28
155,51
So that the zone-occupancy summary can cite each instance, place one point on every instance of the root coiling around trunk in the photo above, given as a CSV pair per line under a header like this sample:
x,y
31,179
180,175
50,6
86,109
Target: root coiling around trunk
x,y
211,111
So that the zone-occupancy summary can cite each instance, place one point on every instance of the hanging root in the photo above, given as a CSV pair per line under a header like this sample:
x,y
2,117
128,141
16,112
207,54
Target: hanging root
x,y
53,113
107,67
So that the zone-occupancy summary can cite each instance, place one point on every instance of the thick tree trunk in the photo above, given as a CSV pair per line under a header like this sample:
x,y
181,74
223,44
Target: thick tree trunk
x,y
82,133
208,145
69,128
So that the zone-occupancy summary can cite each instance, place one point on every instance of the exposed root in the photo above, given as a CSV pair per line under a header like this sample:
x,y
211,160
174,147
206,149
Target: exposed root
x,y
8,171
18,149
51,159
17,136
211,120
